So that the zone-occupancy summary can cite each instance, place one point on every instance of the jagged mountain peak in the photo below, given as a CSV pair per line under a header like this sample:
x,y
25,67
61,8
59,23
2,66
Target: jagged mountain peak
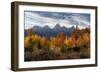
x,y
57,26
46,27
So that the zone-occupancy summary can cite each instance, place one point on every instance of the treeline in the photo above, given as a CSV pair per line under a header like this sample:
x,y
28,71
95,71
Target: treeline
x,y
59,47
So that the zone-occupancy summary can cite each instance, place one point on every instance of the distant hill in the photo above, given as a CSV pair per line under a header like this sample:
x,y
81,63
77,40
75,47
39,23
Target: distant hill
x,y
49,32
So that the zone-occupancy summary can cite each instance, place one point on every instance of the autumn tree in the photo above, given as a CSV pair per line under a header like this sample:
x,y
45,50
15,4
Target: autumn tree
x,y
60,39
26,42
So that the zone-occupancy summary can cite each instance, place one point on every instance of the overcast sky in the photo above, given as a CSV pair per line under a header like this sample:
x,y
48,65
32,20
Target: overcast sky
x,y
41,18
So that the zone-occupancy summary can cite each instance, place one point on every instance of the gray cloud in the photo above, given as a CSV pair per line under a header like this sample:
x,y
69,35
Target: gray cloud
x,y
33,18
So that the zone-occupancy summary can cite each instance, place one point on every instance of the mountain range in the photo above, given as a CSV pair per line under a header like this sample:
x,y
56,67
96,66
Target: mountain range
x,y
50,32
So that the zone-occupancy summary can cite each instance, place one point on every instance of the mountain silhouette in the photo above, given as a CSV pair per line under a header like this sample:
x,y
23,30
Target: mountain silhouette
x,y
51,32
57,26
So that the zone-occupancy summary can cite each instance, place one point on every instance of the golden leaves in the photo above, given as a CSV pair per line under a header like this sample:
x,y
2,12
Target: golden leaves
x,y
78,38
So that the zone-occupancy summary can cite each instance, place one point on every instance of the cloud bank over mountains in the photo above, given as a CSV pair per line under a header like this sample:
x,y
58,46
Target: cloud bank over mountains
x,y
42,19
